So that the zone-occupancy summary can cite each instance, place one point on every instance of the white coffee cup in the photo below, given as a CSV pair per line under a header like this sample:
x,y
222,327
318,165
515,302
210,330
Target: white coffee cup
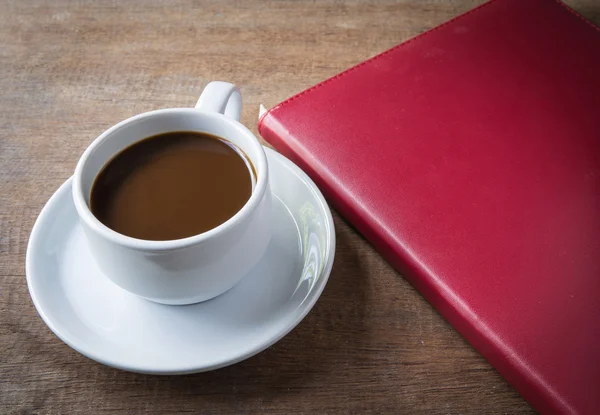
x,y
187,270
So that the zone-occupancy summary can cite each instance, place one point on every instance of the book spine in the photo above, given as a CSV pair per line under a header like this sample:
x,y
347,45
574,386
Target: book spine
x,y
447,302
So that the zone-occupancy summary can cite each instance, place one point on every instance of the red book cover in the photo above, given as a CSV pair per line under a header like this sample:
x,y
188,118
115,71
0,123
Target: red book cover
x,y
469,156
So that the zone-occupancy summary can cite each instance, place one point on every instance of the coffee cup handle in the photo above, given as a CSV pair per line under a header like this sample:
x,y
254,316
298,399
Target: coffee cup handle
x,y
221,97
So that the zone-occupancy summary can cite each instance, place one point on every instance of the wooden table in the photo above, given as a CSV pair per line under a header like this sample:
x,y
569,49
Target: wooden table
x,y
69,70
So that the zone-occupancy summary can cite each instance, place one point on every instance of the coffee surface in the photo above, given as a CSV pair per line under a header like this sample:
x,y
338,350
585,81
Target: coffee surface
x,y
172,186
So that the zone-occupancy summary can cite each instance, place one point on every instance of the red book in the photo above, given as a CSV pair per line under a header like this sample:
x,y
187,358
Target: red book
x,y
469,156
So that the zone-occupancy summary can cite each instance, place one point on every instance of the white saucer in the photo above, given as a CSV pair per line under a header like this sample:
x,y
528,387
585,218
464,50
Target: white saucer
x,y
103,322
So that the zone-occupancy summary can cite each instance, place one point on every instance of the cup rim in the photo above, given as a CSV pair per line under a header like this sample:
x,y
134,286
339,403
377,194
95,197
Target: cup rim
x,y
86,215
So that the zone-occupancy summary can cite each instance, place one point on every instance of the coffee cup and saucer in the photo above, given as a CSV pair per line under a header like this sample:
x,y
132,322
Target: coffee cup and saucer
x,y
132,266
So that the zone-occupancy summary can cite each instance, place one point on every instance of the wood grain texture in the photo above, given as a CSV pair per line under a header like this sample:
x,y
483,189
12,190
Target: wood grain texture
x,y
70,69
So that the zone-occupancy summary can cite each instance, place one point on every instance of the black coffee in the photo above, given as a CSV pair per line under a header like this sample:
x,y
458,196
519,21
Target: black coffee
x,y
172,186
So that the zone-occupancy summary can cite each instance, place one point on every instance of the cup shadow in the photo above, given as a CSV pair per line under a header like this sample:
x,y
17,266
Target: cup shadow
x,y
320,349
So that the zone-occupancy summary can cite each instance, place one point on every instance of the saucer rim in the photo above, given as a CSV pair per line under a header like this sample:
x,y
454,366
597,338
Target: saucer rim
x,y
296,315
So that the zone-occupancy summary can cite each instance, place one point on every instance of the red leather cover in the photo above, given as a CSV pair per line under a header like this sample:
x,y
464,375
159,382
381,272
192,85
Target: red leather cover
x,y
470,157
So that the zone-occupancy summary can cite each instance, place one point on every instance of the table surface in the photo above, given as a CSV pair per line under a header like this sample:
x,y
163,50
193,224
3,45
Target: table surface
x,y
69,70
